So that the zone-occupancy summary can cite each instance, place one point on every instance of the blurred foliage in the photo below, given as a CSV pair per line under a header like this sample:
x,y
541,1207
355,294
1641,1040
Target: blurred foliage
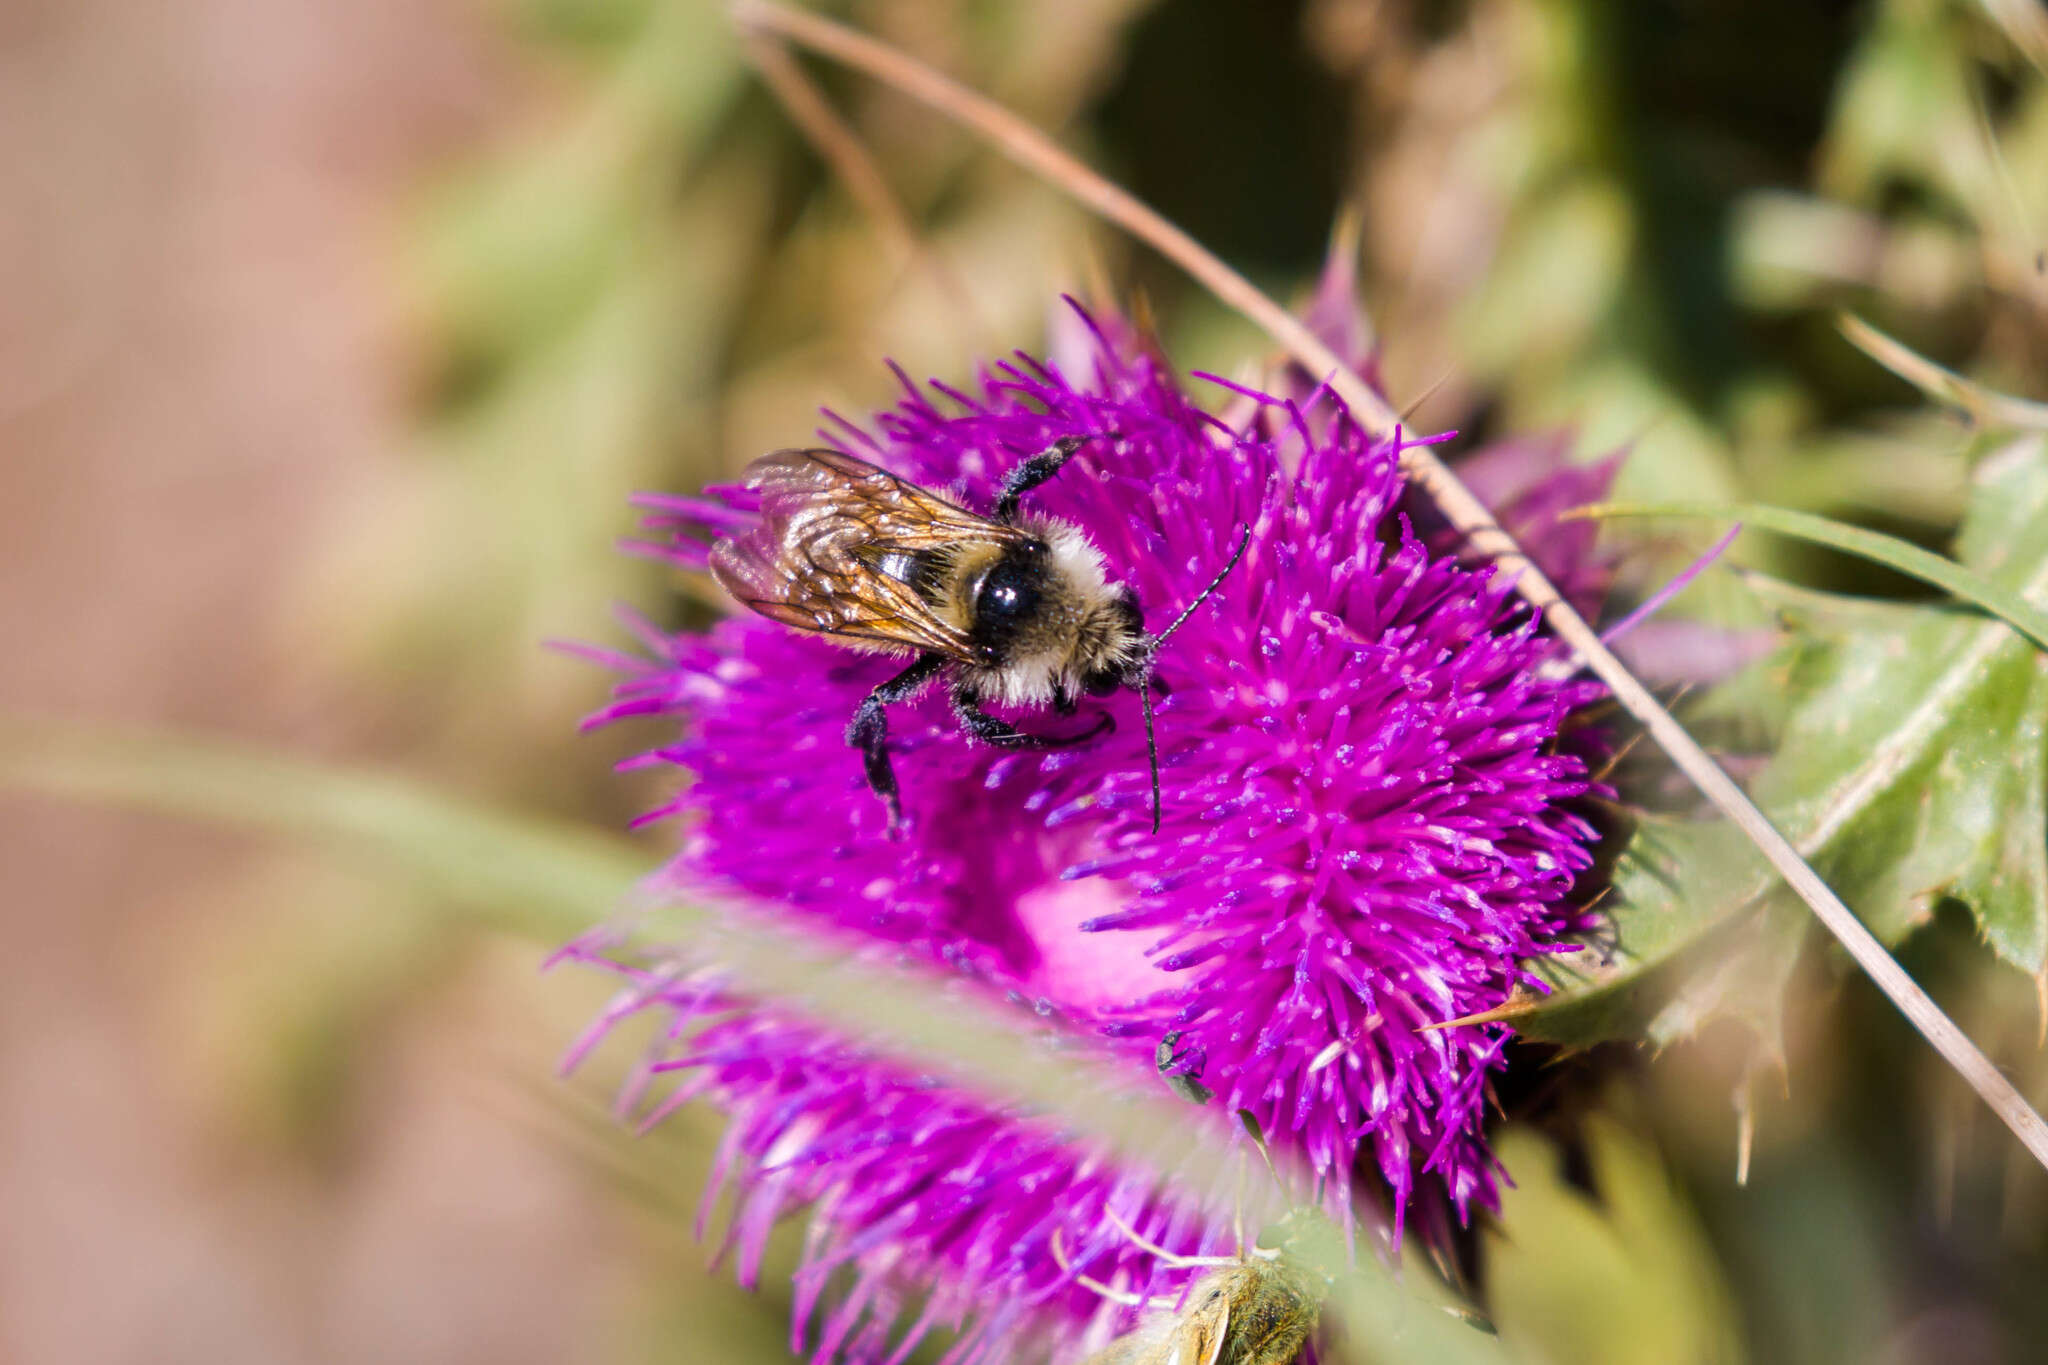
x,y
1634,218
1639,1283
547,880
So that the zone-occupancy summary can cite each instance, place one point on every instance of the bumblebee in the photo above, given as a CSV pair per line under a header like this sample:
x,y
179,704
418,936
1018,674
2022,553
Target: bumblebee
x,y
1011,607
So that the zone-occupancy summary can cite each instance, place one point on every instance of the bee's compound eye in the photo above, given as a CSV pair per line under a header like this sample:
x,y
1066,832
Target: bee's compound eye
x,y
1101,684
1007,595
1129,615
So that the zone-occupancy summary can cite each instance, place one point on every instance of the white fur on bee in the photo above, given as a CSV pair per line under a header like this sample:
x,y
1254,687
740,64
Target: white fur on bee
x,y
1077,629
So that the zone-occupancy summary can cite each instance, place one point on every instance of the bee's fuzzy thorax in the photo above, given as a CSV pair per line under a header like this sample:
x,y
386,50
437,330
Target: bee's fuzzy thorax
x,y
1079,629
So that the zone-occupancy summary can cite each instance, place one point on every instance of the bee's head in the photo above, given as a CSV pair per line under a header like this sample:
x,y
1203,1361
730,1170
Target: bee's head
x,y
1131,659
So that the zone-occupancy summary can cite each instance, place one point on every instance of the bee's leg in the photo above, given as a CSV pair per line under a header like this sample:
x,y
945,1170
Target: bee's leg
x,y
869,729
1063,703
1034,472
999,732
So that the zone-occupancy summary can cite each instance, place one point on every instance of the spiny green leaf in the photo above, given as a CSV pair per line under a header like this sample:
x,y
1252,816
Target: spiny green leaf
x,y
1688,950
1912,768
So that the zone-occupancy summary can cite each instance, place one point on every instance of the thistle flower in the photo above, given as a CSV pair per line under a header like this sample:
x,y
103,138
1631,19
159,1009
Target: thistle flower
x,y
1368,831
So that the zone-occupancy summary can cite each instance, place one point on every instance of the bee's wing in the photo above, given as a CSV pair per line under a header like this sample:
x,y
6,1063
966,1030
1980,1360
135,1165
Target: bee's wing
x,y
1145,1346
809,562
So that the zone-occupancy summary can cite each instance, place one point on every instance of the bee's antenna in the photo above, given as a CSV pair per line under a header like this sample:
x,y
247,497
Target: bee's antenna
x,y
1203,595
1145,681
1151,740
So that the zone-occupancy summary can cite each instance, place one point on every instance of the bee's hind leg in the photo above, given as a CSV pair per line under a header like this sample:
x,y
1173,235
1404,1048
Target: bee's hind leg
x,y
869,729
995,730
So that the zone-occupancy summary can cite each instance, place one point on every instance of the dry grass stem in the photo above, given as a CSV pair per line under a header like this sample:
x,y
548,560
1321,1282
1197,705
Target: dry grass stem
x,y
840,148
2026,24
1941,384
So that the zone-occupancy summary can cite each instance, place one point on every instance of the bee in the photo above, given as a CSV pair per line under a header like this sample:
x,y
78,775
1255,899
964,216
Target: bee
x,y
1011,607
1258,1308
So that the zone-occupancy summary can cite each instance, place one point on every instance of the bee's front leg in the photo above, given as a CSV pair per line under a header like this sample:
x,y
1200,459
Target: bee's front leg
x,y
1063,702
995,730
1032,473
869,729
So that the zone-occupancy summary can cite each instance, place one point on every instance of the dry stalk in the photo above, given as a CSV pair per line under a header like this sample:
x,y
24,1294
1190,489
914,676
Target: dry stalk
x,y
840,148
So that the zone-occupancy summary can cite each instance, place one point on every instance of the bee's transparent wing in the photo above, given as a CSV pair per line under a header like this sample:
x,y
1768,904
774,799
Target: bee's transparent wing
x,y
825,520
1145,1346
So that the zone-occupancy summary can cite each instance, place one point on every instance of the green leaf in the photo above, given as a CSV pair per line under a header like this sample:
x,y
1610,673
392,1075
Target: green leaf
x,y
1912,768
1688,949
1890,551
518,872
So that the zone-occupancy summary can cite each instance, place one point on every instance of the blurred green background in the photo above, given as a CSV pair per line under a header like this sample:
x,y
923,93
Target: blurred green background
x,y
334,338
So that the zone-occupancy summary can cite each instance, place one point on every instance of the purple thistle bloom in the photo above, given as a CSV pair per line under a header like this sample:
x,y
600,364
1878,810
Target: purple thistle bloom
x,y
1368,829
920,1191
